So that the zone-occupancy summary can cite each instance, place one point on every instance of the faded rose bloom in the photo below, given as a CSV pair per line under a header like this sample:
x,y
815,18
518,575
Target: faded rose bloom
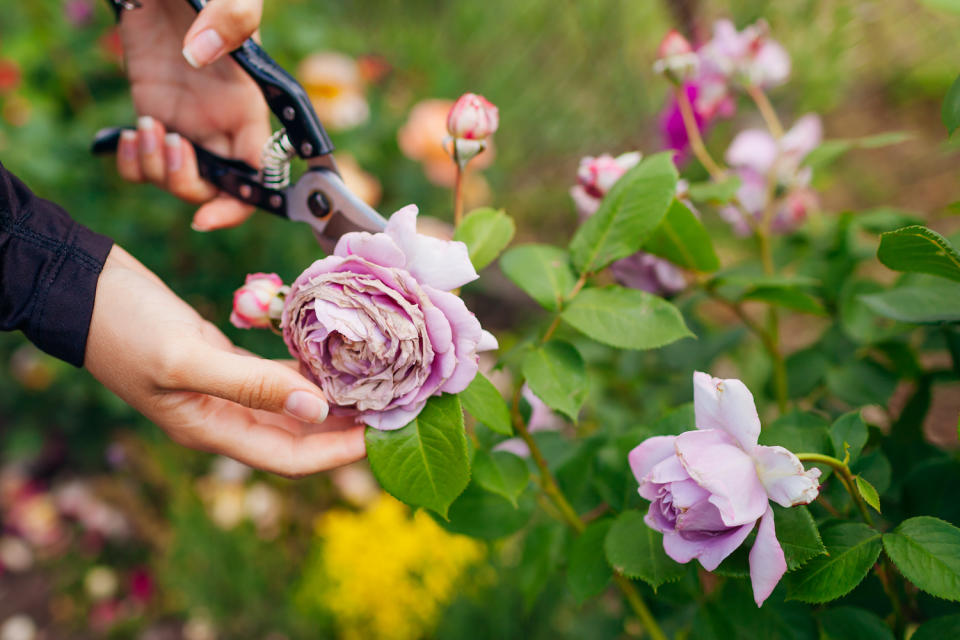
x,y
747,56
675,58
472,117
710,487
258,302
595,177
753,154
336,88
422,137
376,327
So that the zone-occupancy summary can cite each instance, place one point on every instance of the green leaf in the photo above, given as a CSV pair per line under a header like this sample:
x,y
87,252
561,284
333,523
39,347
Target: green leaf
x,y
927,551
502,473
627,215
798,431
831,150
787,297
862,382
939,628
851,623
588,573
921,250
482,400
714,192
425,463
682,239
731,614
480,514
868,492
848,429
933,301
798,535
557,375
539,558
853,548
951,105
542,271
636,551
486,232
626,318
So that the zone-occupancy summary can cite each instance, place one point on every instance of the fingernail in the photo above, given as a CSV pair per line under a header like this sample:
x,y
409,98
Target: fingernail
x,y
128,144
305,406
173,151
196,227
148,141
204,47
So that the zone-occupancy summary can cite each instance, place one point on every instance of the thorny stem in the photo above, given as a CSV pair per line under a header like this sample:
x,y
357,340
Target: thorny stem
x,y
693,134
569,515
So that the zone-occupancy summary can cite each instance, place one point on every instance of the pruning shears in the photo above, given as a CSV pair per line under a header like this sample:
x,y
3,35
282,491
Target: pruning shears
x,y
319,197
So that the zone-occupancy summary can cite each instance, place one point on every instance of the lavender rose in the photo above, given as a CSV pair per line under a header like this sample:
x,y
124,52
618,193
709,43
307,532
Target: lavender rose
x,y
708,488
376,327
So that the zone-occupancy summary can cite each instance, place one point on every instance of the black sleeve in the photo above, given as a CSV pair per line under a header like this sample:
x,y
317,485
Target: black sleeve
x,y
49,266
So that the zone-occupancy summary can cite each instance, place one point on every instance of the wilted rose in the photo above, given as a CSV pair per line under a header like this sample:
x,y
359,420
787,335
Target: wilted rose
x,y
472,117
710,487
376,327
258,302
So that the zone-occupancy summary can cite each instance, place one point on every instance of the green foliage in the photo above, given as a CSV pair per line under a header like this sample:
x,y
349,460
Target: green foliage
x,y
932,301
626,318
557,374
481,514
848,434
950,113
920,250
588,572
628,214
482,400
542,271
486,233
636,551
868,492
852,548
786,297
798,535
502,473
851,623
927,551
715,193
938,628
425,463
682,239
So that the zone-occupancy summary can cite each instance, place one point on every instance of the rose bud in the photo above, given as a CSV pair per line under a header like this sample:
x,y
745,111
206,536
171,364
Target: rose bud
x,y
259,302
376,327
472,117
675,58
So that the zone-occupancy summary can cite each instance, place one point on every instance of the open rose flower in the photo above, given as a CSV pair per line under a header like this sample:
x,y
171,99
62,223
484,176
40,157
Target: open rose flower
x,y
595,177
710,487
749,56
258,302
376,327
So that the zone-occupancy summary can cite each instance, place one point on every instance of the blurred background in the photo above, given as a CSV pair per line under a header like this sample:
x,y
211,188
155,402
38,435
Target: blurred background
x,y
110,530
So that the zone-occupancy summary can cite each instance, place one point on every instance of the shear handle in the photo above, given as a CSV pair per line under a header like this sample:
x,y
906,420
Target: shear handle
x,y
285,97
235,177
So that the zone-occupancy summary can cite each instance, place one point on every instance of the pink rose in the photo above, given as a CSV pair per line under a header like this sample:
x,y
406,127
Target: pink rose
x,y
710,487
472,117
750,56
258,302
675,58
376,327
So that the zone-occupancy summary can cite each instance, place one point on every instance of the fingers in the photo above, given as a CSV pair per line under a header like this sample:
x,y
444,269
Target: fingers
x,y
221,27
182,176
221,212
249,381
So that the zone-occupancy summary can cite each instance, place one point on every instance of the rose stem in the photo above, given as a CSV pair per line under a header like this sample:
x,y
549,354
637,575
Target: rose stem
x,y
882,568
560,301
550,487
693,135
766,110
458,190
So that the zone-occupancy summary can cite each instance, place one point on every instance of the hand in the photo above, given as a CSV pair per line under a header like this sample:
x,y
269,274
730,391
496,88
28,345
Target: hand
x,y
216,105
155,352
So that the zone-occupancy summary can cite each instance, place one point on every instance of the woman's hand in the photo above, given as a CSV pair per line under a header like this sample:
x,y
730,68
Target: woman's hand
x,y
155,352
213,103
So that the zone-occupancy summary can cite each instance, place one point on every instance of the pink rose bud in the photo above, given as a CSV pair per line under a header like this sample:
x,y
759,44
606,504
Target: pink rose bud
x,y
258,302
472,117
673,44
675,58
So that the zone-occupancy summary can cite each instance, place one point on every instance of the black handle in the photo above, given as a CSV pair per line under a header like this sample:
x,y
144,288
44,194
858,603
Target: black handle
x,y
285,97
235,177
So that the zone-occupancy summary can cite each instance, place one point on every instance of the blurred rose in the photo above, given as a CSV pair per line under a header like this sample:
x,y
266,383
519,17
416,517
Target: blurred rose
x,y
225,504
749,56
32,368
675,58
76,500
14,555
259,302
226,469
100,583
356,484
78,12
472,117
18,627
104,614
142,586
263,506
334,83
374,68
9,75
422,137
199,627
364,185
34,516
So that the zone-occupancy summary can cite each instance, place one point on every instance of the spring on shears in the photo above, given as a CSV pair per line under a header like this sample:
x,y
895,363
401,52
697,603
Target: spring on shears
x,y
275,160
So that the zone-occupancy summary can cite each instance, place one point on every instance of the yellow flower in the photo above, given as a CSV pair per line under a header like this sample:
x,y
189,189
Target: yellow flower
x,y
336,88
384,574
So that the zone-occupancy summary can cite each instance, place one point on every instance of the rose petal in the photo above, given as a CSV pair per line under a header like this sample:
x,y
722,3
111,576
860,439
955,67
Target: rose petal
x,y
709,550
378,248
649,454
722,468
442,264
753,148
392,419
767,564
783,476
727,405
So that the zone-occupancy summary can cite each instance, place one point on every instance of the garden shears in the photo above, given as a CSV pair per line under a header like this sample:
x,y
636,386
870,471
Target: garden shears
x,y
319,197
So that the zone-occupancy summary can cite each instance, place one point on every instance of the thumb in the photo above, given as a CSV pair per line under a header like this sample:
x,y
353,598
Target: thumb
x,y
221,27
256,383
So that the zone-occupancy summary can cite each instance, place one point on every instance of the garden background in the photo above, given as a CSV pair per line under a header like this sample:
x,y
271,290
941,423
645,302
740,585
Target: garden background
x,y
113,531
